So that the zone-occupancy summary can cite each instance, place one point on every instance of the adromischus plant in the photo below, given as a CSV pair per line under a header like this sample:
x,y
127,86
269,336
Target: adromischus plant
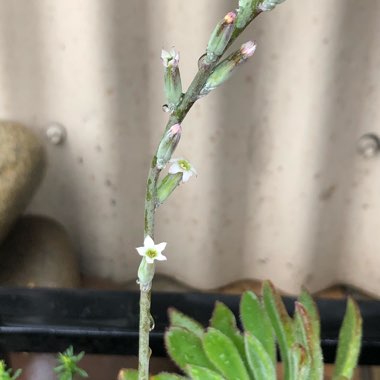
x,y
224,352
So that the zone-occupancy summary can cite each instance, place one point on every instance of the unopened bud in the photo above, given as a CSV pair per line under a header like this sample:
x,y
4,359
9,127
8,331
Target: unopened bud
x,y
221,36
247,10
224,70
172,78
167,186
268,5
170,58
168,144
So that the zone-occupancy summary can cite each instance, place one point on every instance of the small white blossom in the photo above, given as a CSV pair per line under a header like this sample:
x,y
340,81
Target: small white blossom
x,y
152,251
170,58
180,165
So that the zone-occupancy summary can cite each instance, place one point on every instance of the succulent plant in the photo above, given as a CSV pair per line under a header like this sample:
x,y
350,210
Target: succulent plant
x,y
224,352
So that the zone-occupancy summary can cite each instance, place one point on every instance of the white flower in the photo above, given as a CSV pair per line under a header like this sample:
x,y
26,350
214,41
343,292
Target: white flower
x,y
152,251
170,58
180,165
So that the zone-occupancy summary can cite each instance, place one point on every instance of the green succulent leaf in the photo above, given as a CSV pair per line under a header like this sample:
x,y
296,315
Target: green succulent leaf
x,y
201,373
255,320
350,335
223,319
179,319
224,355
282,324
299,363
128,374
185,347
308,303
259,360
309,339
167,376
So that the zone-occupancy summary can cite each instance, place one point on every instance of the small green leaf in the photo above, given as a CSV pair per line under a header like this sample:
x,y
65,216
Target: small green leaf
x,y
223,319
201,373
179,319
255,320
224,355
281,322
185,347
260,362
350,335
167,376
306,335
128,374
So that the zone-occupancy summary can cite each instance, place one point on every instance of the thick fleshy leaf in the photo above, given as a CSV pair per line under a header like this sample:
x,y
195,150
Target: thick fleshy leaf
x,y
308,303
223,319
224,355
167,376
255,320
128,374
179,319
260,362
185,347
350,335
300,363
201,373
309,339
281,322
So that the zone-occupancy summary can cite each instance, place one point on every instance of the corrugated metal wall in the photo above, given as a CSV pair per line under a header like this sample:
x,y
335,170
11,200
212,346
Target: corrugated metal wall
x,y
282,191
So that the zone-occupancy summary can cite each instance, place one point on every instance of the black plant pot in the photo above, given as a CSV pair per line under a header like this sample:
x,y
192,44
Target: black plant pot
x,y
106,322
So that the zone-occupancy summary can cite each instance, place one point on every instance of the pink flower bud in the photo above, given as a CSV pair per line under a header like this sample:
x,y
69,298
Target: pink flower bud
x,y
247,49
230,17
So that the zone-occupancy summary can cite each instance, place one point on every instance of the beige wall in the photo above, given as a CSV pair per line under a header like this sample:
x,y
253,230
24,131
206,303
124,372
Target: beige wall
x,y
282,192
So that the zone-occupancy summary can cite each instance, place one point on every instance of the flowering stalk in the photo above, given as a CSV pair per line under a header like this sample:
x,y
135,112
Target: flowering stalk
x,y
222,37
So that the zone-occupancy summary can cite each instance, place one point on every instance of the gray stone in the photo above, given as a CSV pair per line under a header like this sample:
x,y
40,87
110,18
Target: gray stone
x,y
38,253
22,164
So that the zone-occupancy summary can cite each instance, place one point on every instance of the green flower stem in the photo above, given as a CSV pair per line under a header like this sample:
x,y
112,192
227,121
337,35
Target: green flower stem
x,y
151,204
145,320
